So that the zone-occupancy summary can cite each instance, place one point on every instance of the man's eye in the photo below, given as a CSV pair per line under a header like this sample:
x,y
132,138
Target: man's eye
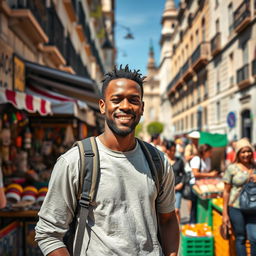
x,y
115,100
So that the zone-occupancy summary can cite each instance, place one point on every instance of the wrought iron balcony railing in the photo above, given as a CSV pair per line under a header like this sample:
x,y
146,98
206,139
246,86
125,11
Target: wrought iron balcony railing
x,y
242,15
243,74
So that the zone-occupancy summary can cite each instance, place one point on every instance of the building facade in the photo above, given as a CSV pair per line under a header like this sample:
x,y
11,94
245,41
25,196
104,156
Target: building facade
x,y
73,36
212,67
151,95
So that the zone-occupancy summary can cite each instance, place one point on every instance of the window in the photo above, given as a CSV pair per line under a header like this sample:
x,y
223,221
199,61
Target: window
x,y
203,30
245,52
192,121
218,111
230,17
197,37
218,79
217,26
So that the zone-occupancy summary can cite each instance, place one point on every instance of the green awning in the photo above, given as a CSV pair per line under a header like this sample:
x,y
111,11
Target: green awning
x,y
213,139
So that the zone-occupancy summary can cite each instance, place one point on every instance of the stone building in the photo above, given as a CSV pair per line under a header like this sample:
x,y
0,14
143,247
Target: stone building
x,y
211,68
63,46
151,94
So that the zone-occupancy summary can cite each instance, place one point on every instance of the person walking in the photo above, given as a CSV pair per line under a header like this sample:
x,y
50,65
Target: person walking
x,y
235,177
178,170
127,212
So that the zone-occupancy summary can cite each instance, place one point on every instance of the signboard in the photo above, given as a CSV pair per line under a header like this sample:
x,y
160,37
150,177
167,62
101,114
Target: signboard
x,y
19,74
231,119
6,66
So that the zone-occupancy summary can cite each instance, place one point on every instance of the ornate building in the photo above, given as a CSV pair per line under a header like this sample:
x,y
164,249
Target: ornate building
x,y
151,94
211,68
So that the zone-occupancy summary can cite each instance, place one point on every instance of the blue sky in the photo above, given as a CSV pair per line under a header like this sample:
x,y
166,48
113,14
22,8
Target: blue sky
x,y
143,17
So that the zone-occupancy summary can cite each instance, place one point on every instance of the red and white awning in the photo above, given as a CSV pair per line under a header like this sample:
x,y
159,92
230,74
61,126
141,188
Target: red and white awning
x,y
25,101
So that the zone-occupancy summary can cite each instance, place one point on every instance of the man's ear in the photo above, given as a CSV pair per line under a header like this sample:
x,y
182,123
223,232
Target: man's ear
x,y
142,110
102,106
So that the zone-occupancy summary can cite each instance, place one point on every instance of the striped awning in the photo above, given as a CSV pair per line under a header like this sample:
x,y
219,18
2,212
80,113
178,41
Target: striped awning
x,y
25,101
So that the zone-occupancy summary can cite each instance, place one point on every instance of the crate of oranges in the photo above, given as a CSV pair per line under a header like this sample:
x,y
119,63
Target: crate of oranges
x,y
196,240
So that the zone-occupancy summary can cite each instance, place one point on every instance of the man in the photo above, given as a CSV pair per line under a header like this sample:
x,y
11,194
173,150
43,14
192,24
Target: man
x,y
191,149
123,221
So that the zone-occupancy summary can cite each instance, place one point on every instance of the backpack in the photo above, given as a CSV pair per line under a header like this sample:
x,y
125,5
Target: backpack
x,y
89,181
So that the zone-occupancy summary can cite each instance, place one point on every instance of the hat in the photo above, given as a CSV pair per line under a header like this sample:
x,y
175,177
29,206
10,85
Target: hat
x,y
194,135
242,143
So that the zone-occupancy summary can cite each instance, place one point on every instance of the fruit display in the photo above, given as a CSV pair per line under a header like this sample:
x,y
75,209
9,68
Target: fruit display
x,y
196,230
209,188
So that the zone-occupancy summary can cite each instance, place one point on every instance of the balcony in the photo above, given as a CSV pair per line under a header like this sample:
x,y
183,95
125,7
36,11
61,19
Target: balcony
x,y
54,50
174,81
254,68
27,22
243,76
242,16
200,56
81,27
186,70
70,6
216,44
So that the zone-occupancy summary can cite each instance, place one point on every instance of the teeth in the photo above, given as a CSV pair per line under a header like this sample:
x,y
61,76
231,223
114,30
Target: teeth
x,y
124,118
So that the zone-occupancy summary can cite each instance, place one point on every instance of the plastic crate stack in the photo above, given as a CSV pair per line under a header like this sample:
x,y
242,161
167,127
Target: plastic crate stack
x,y
196,240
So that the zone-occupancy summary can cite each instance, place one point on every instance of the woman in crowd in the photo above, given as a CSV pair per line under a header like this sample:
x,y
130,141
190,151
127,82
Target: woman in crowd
x,y
201,168
235,177
178,170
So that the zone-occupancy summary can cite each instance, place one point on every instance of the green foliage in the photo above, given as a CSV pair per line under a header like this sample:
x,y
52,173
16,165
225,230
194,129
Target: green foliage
x,y
155,128
138,129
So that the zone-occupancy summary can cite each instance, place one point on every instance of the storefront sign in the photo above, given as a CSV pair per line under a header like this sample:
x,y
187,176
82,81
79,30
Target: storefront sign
x,y
6,66
19,74
231,119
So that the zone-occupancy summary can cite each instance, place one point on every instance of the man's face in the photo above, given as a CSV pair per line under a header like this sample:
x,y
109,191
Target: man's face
x,y
122,106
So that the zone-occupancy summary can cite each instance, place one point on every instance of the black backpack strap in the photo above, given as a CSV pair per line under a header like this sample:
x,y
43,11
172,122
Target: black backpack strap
x,y
89,179
155,163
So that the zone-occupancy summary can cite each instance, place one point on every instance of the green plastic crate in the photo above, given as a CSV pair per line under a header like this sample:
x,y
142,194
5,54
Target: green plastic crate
x,y
204,211
196,246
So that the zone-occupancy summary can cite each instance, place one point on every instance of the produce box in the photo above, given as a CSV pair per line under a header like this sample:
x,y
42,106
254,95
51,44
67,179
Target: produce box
x,y
204,211
196,246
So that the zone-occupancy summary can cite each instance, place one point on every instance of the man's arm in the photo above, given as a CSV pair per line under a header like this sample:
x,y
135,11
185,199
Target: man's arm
x,y
169,233
59,252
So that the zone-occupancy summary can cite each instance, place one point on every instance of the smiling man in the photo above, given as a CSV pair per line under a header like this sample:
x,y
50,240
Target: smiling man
x,y
128,210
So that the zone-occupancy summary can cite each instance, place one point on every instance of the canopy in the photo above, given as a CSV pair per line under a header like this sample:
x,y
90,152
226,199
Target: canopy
x,y
25,101
61,104
213,139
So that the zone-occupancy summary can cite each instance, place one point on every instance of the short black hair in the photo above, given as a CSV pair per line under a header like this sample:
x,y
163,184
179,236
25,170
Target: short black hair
x,y
169,144
203,149
154,136
125,72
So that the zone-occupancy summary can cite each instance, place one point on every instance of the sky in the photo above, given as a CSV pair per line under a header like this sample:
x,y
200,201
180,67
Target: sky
x,y
143,18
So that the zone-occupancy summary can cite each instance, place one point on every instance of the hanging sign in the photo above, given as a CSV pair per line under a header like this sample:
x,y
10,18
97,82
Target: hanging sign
x,y
19,74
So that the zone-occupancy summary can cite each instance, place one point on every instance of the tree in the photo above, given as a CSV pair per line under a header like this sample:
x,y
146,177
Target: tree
x,y
138,129
155,128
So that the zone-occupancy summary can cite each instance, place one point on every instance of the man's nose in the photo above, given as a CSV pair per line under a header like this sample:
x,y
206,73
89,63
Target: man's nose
x,y
124,104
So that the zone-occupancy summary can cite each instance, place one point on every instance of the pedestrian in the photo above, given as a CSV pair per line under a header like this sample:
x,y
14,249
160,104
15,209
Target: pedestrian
x,y
155,141
201,168
235,177
178,170
190,151
127,211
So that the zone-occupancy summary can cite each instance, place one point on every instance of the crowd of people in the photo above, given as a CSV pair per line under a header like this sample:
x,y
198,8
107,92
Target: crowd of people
x,y
239,168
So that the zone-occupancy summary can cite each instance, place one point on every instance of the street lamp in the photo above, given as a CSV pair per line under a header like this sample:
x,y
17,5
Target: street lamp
x,y
129,34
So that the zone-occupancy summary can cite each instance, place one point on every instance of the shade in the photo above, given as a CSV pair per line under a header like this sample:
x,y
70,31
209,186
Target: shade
x,y
64,105
25,101
213,139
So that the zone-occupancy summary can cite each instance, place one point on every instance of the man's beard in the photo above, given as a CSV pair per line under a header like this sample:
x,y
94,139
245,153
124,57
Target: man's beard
x,y
122,133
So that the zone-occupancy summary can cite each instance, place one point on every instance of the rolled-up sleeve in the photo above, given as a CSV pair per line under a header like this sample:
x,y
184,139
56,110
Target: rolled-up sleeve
x,y
57,210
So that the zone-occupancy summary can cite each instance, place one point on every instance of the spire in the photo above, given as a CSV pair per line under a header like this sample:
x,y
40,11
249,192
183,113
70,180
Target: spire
x,y
169,5
151,59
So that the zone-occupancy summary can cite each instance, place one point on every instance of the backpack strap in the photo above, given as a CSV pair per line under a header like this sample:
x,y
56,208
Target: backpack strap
x,y
88,184
155,163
